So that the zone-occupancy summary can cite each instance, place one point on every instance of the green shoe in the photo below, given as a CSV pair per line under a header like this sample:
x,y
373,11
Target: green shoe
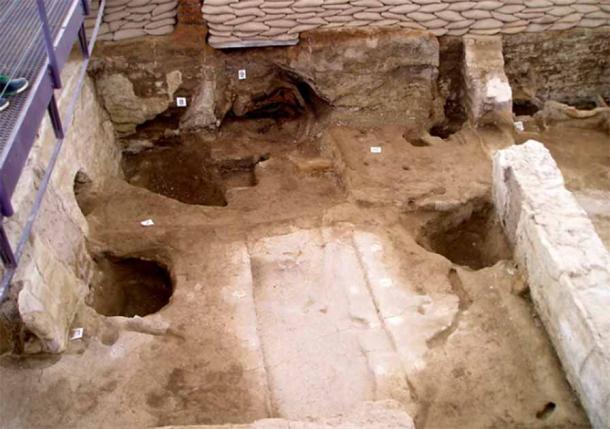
x,y
10,87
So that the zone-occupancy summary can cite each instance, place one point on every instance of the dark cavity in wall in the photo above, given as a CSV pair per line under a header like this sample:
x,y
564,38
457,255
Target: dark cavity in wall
x,y
469,236
129,287
82,192
451,86
525,107
286,97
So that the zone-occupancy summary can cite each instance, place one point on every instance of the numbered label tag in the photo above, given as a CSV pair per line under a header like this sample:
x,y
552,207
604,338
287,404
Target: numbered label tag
x,y
77,334
375,149
519,126
181,101
241,74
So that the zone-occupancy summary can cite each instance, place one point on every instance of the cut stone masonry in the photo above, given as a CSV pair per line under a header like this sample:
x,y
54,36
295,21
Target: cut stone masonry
x,y
567,266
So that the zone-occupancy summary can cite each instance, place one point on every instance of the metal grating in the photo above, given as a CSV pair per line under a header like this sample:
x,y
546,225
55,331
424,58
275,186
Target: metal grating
x,y
22,49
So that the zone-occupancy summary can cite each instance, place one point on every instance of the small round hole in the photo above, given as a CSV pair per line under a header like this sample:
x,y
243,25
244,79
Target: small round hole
x,y
546,412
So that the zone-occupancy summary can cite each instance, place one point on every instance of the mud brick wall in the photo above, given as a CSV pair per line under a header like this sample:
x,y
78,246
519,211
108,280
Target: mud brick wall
x,y
236,23
124,19
189,11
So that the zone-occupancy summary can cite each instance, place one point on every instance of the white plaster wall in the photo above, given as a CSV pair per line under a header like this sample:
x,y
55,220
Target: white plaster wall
x,y
567,266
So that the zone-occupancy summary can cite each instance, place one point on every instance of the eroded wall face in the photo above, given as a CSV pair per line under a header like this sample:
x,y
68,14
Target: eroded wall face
x,y
234,23
571,66
52,278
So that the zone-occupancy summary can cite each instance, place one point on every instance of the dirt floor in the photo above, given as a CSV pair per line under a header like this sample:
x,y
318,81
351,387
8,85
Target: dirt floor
x,y
306,281
583,155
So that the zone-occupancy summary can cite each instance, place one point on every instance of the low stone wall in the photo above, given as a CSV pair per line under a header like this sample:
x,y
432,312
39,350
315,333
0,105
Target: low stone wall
x,y
567,266
239,23
53,275
124,19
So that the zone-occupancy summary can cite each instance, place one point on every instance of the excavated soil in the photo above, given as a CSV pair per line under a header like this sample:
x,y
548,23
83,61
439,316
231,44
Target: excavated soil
x,y
315,266
343,276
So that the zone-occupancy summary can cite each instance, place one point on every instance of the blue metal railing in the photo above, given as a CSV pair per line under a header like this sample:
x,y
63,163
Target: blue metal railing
x,y
51,28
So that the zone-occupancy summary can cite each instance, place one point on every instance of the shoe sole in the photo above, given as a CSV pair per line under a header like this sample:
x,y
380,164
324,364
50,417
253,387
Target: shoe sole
x,y
26,86
19,91
4,106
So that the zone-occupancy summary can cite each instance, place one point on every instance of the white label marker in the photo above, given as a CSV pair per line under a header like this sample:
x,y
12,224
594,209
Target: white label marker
x,y
77,334
375,149
241,74
181,101
147,222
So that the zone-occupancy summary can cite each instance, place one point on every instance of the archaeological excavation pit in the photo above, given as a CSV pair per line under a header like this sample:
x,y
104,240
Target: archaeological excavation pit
x,y
470,236
390,215
129,287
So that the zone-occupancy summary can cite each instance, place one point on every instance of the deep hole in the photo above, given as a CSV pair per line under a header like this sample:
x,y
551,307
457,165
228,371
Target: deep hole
x,y
82,188
524,108
129,287
546,412
468,237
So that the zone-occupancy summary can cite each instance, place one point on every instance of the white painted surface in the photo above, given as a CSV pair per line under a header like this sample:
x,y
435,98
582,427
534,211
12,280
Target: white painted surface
x,y
567,266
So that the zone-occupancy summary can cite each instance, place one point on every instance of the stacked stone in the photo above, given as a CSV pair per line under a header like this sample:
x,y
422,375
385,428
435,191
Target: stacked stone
x,y
252,22
124,19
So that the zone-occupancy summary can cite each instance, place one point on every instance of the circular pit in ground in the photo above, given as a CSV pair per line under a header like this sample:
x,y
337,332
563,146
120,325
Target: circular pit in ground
x,y
129,287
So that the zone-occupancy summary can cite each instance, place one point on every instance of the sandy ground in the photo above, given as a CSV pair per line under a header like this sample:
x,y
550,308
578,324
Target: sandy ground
x,y
305,296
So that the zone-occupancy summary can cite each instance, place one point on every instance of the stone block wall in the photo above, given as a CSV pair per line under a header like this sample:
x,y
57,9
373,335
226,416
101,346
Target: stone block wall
x,y
124,19
567,266
52,279
240,23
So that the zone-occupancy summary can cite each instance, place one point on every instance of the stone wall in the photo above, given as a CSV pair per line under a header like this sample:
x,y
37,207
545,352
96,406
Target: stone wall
x,y
567,266
124,19
239,23
52,278
571,66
